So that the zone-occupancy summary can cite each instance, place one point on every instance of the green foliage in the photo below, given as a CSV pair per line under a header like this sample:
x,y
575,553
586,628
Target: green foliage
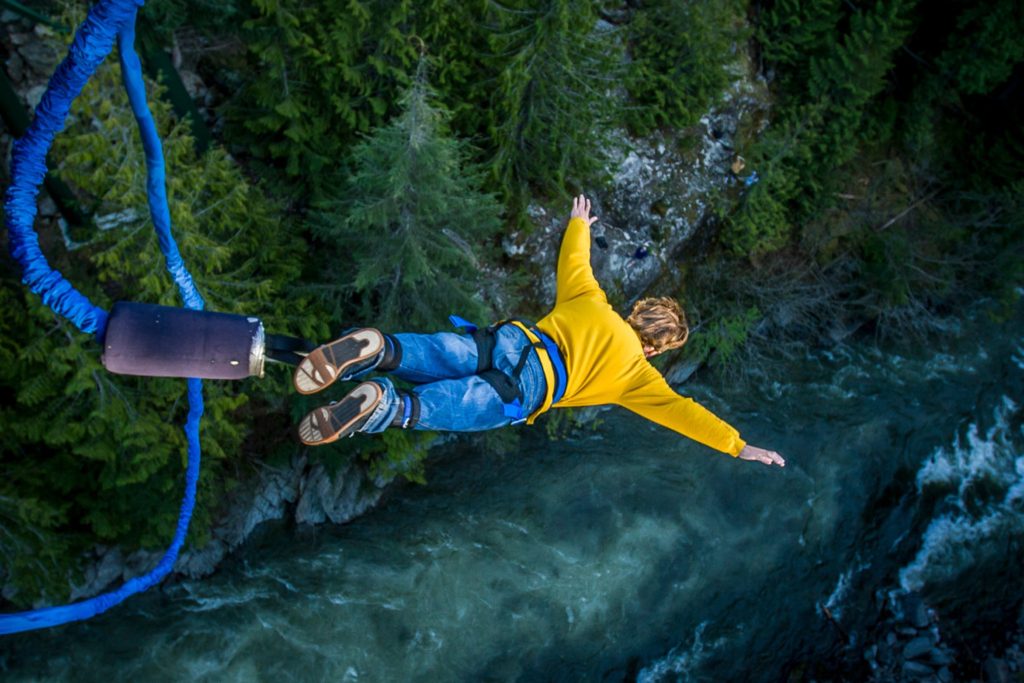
x,y
761,223
679,52
832,78
720,340
551,101
561,423
529,81
90,456
319,75
399,453
167,16
403,233
986,45
792,31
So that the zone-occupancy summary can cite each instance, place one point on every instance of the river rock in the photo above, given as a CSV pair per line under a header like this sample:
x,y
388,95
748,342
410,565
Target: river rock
x,y
34,95
108,567
917,671
996,671
15,68
47,207
945,675
274,490
917,647
40,56
915,611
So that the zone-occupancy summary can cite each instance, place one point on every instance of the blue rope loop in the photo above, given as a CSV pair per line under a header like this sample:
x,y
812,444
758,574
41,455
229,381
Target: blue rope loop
x,y
107,20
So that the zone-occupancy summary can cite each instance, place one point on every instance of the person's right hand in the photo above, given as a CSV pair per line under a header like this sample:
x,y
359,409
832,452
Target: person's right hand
x,y
581,209
761,455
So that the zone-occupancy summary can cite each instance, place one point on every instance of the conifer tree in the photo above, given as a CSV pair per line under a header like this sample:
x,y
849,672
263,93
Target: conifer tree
x,y
678,53
321,73
823,111
553,94
404,233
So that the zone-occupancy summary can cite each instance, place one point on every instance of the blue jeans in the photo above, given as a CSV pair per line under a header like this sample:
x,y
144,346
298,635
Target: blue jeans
x,y
452,397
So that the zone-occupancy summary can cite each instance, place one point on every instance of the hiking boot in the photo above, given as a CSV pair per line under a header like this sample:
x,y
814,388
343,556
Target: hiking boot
x,y
329,423
355,351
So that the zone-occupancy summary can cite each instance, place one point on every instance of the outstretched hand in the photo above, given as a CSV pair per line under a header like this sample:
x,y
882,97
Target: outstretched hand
x,y
762,455
581,209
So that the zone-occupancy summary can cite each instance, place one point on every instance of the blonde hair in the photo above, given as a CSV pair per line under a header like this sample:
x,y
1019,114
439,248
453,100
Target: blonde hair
x,y
660,322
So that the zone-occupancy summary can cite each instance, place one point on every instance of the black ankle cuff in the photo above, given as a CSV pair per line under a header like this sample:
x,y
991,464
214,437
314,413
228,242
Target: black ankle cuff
x,y
408,414
392,354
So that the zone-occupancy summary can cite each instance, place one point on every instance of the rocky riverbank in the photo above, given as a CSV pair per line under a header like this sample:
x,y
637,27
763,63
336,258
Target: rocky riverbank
x,y
911,647
914,643
304,492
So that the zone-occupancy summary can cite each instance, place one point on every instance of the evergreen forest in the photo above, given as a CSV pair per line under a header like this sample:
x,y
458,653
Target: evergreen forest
x,y
368,161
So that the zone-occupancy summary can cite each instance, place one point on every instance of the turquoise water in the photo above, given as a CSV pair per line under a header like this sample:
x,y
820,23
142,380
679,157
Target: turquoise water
x,y
622,553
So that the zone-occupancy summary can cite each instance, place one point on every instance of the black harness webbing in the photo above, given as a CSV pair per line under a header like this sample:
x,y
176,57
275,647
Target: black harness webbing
x,y
408,415
506,384
285,349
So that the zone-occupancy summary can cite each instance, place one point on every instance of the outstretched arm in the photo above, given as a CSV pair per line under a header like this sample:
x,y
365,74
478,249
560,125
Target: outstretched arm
x,y
575,276
653,398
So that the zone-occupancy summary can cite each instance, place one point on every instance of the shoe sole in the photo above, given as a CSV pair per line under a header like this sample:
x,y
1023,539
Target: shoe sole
x,y
325,364
329,423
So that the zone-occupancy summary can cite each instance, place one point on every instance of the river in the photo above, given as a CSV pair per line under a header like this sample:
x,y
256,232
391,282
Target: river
x,y
626,552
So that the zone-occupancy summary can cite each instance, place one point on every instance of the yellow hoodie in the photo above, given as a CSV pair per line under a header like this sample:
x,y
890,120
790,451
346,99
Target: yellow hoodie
x,y
604,358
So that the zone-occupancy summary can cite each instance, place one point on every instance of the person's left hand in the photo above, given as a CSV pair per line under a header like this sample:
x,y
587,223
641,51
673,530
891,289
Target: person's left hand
x,y
761,455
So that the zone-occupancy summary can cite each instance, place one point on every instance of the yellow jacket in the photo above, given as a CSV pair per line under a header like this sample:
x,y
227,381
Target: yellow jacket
x,y
604,358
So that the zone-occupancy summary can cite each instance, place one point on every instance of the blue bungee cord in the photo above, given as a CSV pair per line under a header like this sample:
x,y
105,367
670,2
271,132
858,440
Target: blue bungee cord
x,y
106,20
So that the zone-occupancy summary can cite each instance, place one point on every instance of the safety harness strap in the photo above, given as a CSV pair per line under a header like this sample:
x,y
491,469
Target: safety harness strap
x,y
392,354
507,384
285,349
409,414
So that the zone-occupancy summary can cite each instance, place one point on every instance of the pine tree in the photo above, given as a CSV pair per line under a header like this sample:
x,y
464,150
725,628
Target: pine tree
x,y
678,53
791,32
323,73
553,95
985,47
833,79
404,234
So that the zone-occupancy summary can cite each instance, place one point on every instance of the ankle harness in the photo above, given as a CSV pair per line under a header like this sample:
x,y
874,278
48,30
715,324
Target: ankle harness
x,y
392,354
408,414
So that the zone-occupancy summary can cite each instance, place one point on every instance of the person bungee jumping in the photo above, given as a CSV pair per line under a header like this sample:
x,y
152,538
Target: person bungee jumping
x,y
582,353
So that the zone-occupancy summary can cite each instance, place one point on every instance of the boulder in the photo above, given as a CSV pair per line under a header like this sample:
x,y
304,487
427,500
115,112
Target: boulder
x,y
338,497
15,68
40,56
918,647
108,567
915,611
996,671
916,671
34,95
